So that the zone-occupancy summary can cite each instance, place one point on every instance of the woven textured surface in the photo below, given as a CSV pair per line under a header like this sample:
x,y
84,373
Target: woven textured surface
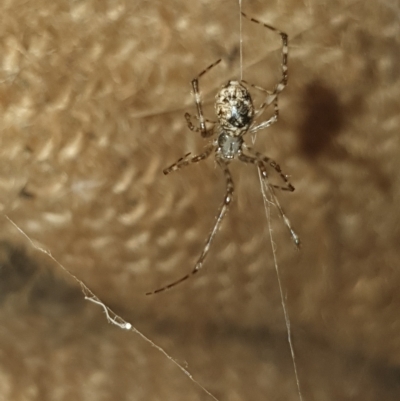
x,y
92,97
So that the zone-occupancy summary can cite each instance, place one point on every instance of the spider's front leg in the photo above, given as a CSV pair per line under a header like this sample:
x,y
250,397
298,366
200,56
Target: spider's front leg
x,y
263,173
257,158
185,160
221,214
260,161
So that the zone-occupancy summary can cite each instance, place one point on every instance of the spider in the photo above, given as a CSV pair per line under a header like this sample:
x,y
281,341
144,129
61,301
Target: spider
x,y
236,117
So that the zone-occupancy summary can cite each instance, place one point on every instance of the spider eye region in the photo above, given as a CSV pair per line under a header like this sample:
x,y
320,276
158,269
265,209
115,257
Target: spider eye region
x,y
234,107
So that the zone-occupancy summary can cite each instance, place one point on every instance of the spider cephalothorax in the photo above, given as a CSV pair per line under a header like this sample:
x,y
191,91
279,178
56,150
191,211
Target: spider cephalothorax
x,y
234,108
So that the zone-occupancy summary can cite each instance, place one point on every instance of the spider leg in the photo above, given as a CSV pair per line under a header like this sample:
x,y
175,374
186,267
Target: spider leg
x,y
258,157
270,97
185,160
192,127
270,121
295,237
260,163
195,85
285,49
221,213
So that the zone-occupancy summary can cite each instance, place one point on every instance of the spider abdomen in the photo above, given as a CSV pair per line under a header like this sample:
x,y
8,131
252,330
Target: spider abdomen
x,y
234,108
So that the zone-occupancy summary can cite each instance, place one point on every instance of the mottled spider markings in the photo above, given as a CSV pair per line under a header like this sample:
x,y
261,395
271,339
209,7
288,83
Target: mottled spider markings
x,y
236,116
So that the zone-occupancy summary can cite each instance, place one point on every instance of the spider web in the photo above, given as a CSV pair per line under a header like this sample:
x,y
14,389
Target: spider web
x,y
111,316
268,201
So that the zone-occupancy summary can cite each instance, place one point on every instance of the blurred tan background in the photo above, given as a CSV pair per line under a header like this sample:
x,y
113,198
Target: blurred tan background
x,y
92,97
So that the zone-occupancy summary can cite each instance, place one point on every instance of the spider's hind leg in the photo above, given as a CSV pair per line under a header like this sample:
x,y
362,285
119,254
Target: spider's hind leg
x,y
272,96
285,50
270,121
192,127
196,92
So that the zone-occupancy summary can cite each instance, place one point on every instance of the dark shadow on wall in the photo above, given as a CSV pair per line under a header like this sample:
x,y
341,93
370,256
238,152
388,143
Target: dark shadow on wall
x,y
324,120
38,289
